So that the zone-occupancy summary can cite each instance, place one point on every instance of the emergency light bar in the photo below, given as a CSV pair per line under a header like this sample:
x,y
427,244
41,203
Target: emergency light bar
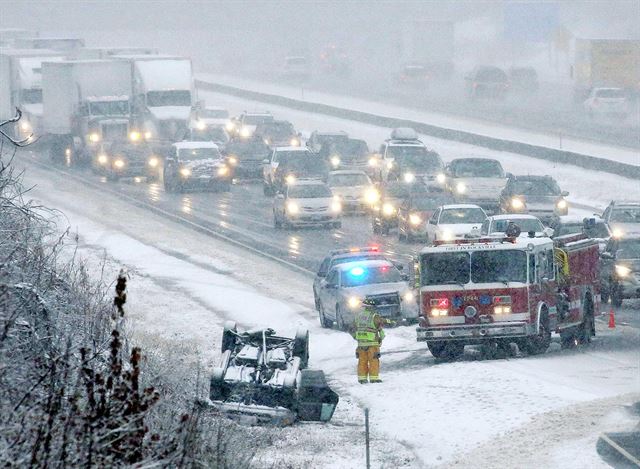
x,y
492,240
355,249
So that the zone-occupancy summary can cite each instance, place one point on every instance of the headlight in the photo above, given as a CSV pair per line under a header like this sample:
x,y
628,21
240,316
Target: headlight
x,y
94,137
134,136
223,171
447,235
118,163
415,219
185,172
232,160
147,135
266,141
153,161
25,126
292,207
409,177
562,204
502,309
103,159
353,302
201,125
229,126
617,233
409,297
373,162
336,205
461,188
371,196
388,209
441,178
290,179
517,204
245,132
335,161
294,142
439,312
389,164
622,270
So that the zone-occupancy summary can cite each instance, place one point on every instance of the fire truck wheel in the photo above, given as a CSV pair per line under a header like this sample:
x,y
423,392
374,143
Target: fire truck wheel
x,y
540,343
445,351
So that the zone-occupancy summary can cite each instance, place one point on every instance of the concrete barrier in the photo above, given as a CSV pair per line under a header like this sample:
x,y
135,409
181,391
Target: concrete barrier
x,y
534,151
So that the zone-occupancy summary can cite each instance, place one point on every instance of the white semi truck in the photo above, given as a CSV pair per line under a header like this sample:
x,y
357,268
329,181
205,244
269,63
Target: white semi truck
x,y
65,44
87,106
164,93
21,87
101,53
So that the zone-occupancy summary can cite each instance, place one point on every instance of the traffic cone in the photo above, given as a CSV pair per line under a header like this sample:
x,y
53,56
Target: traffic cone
x,y
612,319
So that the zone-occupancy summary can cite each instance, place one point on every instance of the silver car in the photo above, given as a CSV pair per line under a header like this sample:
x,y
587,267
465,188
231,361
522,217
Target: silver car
x,y
346,285
306,202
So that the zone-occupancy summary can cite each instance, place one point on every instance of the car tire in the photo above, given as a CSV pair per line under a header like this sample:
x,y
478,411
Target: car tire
x,y
267,189
445,350
229,336
277,224
301,347
324,322
539,344
340,319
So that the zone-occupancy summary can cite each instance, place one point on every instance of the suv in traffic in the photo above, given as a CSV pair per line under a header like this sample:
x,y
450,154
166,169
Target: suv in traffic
x,y
306,202
288,164
623,217
487,82
537,195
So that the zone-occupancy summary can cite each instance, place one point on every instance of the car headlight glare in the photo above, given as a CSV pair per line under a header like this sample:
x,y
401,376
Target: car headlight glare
x,y
201,125
622,271
409,177
353,302
94,137
245,132
223,171
119,163
185,172
229,126
562,204
415,219
441,178
388,209
502,309
461,188
373,162
409,297
336,206
25,126
292,207
103,159
147,135
233,161
439,312
447,235
290,179
617,233
517,204
372,196
154,161
294,142
134,136
389,164
335,161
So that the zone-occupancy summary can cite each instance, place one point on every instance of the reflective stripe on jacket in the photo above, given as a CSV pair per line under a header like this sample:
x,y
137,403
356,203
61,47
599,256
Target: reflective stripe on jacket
x,y
367,334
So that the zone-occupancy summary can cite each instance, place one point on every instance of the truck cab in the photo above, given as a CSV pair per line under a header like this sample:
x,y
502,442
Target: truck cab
x,y
495,291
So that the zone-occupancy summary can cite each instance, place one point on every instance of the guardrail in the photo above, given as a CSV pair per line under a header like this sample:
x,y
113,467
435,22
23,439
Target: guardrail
x,y
534,151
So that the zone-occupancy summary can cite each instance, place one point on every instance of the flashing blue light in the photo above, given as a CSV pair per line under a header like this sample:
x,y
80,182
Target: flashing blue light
x,y
357,271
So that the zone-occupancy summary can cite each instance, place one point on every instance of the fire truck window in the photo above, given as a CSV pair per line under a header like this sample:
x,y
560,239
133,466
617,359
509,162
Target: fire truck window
x,y
550,272
450,268
499,266
532,268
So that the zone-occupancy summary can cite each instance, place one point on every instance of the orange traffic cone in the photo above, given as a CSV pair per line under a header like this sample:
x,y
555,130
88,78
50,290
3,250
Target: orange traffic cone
x,y
612,319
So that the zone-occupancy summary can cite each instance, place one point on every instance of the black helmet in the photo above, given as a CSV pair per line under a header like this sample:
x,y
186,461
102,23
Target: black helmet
x,y
368,302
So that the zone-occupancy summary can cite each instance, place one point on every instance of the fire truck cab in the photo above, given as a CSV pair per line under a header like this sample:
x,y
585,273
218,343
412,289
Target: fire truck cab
x,y
495,291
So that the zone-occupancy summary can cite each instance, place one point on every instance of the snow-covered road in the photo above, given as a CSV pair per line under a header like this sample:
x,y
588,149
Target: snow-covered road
x,y
425,413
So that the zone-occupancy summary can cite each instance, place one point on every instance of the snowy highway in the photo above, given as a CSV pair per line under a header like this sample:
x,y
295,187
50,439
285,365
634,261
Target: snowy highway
x,y
426,413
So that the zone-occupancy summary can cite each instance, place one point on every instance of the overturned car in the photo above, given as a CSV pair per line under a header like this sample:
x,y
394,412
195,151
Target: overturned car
x,y
263,378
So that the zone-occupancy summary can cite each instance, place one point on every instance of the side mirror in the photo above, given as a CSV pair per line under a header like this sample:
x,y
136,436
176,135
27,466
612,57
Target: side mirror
x,y
265,161
548,232
564,193
607,256
432,222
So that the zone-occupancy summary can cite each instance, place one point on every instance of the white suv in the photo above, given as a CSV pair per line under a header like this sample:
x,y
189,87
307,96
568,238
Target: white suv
x,y
306,202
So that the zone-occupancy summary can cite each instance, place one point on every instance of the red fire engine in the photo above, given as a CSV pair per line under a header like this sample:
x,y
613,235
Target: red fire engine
x,y
494,291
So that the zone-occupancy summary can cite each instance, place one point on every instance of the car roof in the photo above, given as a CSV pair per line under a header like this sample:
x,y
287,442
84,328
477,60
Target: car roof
x,y
514,216
456,206
296,149
339,133
623,203
530,177
190,145
365,263
473,159
405,143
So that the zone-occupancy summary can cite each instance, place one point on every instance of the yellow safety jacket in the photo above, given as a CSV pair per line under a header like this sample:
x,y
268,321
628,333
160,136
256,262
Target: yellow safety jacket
x,y
367,333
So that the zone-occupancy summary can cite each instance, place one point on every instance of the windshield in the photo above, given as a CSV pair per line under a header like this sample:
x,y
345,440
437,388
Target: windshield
x,y
198,153
277,131
491,74
461,215
215,134
109,108
169,98
257,119
214,113
499,266
415,157
626,215
348,180
254,149
448,268
536,187
610,93
348,148
370,275
477,168
598,230
629,249
397,190
526,225
301,161
431,203
31,96
308,191
569,228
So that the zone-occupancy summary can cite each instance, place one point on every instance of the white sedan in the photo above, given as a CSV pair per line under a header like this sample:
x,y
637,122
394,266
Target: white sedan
x,y
306,202
354,189
497,225
454,222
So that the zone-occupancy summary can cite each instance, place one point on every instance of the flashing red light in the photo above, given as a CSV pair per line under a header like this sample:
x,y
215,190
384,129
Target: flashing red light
x,y
374,248
384,268
441,303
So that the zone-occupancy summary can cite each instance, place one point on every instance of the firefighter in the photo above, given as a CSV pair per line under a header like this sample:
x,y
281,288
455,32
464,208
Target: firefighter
x,y
369,334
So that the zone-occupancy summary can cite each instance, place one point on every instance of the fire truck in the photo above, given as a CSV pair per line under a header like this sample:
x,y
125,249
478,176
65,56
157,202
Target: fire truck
x,y
497,291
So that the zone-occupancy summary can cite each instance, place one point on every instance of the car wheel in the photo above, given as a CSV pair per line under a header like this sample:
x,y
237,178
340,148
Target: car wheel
x,y
277,224
540,343
445,350
301,347
324,322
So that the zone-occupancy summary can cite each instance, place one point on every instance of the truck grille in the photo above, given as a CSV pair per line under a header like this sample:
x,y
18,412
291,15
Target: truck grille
x,y
315,209
386,304
114,132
